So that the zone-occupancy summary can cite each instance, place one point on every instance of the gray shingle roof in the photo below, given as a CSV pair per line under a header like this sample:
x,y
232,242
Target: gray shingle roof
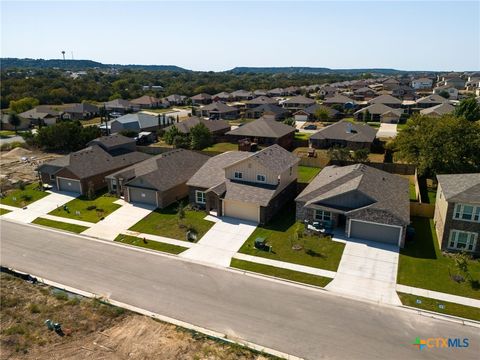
x,y
111,140
260,100
218,107
212,125
385,99
299,100
440,109
277,110
118,104
432,99
40,112
338,99
379,109
262,127
80,108
146,100
344,130
461,187
137,121
379,190
312,109
201,96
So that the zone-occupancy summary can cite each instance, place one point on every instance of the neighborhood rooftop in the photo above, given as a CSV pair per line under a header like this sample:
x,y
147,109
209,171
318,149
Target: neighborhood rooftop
x,y
461,187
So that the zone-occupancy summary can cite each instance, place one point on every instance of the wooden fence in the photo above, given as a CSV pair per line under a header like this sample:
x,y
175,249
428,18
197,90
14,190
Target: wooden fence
x,y
422,210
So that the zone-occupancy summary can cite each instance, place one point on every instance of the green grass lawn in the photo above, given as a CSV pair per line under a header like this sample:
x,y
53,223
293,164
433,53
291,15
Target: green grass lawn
x,y
164,222
60,225
302,136
468,312
317,252
150,244
423,265
306,173
280,273
401,126
413,193
431,195
21,198
4,211
222,147
103,206
6,133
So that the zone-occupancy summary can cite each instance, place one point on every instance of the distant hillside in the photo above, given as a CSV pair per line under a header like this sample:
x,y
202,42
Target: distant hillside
x,y
11,63
312,70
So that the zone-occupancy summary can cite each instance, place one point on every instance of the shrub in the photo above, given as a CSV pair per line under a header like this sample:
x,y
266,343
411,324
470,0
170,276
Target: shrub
x,y
34,309
91,207
27,197
61,295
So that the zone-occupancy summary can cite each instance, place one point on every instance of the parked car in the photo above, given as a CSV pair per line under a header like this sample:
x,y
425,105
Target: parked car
x,y
310,127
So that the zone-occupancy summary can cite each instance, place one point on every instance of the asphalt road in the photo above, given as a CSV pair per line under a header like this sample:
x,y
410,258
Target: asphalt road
x,y
303,322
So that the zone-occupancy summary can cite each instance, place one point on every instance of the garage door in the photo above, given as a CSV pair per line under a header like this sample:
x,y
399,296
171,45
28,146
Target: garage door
x,y
69,185
375,232
143,196
241,210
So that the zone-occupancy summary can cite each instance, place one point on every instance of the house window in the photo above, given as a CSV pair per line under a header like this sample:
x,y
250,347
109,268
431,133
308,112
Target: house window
x,y
238,175
467,212
261,178
200,197
462,240
321,215
52,177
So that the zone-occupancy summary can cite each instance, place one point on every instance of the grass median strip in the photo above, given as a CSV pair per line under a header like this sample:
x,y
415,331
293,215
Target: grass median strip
x,y
442,307
4,211
150,244
60,225
280,273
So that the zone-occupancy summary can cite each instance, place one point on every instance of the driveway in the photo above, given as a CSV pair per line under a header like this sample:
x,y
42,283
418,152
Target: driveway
x,y
120,220
221,242
367,270
11,139
387,131
41,207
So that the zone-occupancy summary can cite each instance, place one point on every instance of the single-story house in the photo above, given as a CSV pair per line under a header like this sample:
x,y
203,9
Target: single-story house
x,y
310,112
276,111
159,180
292,90
201,99
457,212
121,106
260,100
277,92
244,185
430,100
239,95
379,112
344,134
149,102
327,91
364,93
451,91
265,131
388,100
390,83
298,102
217,127
404,92
355,85
218,110
362,201
438,110
138,122
80,111
260,92
176,99
5,124
44,113
339,99
114,144
222,96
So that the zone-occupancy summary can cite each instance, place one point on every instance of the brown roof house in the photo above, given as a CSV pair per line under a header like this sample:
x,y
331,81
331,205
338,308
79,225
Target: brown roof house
x,y
359,200
80,170
388,100
378,112
121,106
275,111
310,113
80,111
150,102
222,96
438,110
265,131
241,95
217,127
457,212
260,100
45,113
247,186
158,181
201,99
297,103
218,110
344,134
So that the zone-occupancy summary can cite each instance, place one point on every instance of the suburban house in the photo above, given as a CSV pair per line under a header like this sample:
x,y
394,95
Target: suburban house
x,y
260,100
362,201
219,110
265,131
239,95
450,90
364,93
404,92
277,112
5,124
44,113
457,212
456,82
292,90
327,91
84,169
248,186
217,128
355,85
222,96
149,102
430,100
390,83
139,122
80,111
121,106
388,100
310,113
260,92
340,99
160,180
176,99
298,102
422,84
344,134
277,92
438,110
379,112
201,99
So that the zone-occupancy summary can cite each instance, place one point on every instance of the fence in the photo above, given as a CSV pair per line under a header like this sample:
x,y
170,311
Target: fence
x,y
153,150
422,210
393,168
313,162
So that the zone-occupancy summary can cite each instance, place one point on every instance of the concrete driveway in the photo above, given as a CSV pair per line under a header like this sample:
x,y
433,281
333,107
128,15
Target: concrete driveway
x,y
120,220
387,131
41,207
367,270
221,242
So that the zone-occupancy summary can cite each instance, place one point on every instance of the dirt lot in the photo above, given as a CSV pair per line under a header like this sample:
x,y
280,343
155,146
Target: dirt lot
x,y
93,330
19,164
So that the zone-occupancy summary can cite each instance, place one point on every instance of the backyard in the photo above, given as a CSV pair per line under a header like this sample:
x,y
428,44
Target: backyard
x,y
83,209
21,198
165,222
313,250
307,173
222,147
150,244
423,265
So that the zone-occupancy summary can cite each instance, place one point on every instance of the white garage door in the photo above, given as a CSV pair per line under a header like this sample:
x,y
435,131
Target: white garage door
x,y
375,232
241,210
69,185
143,196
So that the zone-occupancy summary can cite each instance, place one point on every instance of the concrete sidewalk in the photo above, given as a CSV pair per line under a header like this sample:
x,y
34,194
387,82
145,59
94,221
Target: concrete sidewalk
x,y
8,207
286,265
438,295
68,220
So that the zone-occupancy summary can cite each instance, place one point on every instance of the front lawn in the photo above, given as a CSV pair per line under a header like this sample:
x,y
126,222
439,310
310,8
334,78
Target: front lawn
x,y
88,210
222,147
316,252
280,273
60,225
164,222
468,312
423,265
307,173
21,198
3,211
150,244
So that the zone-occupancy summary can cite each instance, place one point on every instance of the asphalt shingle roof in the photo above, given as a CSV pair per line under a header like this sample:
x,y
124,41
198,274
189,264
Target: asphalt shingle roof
x,y
461,187
212,125
263,127
299,100
385,99
219,107
345,130
440,109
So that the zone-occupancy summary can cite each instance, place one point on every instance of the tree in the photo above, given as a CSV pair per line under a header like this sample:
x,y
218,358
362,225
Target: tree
x,y
14,120
367,116
200,137
360,155
289,121
23,104
66,136
128,133
340,154
176,138
468,108
445,145
170,134
444,94
180,213
322,114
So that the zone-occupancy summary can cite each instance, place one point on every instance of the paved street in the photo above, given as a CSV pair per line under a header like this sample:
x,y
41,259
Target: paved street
x,y
297,320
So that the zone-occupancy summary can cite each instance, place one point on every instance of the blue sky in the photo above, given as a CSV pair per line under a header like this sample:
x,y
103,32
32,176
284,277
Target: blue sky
x,y
421,35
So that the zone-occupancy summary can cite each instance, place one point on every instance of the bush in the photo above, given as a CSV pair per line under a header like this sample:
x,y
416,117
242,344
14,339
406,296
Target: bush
x,y
91,207
21,185
34,309
61,295
27,197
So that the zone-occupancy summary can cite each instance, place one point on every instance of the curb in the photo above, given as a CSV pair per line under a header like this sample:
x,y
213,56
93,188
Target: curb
x,y
445,317
210,333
